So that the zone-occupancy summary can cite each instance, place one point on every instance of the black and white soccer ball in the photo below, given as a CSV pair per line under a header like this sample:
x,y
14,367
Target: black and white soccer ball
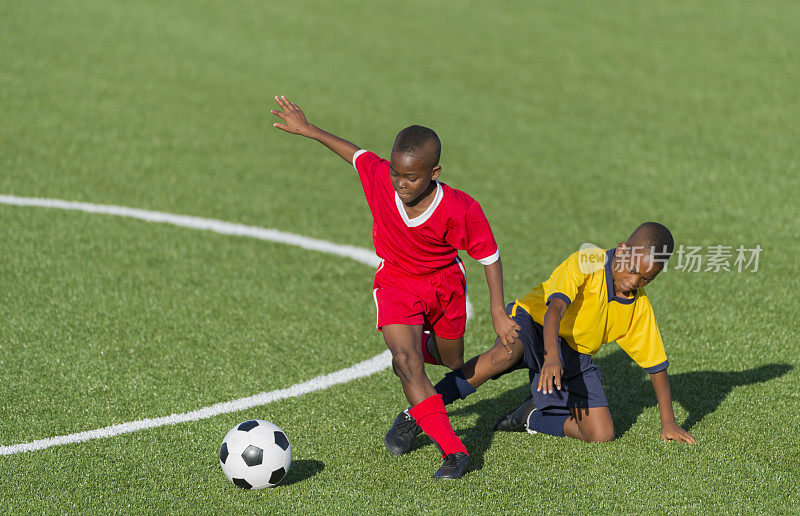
x,y
255,454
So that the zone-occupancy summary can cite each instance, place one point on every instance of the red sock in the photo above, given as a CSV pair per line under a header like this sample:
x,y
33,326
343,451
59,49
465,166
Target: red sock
x,y
432,417
426,355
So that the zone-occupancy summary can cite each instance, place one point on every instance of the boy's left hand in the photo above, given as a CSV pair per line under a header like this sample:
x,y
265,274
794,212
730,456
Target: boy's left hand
x,y
671,431
506,329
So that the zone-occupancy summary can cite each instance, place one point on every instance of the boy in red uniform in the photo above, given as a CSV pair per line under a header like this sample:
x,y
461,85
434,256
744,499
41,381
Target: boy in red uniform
x,y
419,224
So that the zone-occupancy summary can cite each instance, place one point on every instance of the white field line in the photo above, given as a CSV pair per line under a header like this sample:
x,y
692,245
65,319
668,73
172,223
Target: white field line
x,y
359,370
217,226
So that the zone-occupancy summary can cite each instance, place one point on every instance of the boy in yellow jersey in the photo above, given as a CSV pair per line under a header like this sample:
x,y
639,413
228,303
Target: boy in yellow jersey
x,y
595,296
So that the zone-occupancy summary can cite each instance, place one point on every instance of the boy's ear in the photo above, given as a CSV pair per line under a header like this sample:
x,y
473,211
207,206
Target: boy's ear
x,y
622,245
436,171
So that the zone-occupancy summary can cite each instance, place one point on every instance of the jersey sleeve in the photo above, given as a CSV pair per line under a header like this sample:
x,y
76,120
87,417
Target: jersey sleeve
x,y
479,240
565,280
367,164
471,232
643,340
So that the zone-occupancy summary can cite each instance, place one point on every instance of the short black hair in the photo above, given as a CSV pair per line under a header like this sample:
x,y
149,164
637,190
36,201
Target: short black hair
x,y
652,235
419,142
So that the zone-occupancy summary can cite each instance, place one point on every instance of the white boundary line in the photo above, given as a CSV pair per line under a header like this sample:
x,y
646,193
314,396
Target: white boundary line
x,y
358,254
354,372
367,367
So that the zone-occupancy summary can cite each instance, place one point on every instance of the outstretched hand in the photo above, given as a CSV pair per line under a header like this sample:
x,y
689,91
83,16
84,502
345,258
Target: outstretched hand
x,y
673,432
292,115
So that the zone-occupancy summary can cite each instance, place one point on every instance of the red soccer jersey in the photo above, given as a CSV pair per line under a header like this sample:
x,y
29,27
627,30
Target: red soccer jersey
x,y
431,241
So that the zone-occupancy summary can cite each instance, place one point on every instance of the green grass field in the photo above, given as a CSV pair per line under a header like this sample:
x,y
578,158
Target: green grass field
x,y
570,122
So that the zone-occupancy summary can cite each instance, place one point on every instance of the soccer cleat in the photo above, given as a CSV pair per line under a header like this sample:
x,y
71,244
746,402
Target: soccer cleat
x,y
399,438
454,466
517,420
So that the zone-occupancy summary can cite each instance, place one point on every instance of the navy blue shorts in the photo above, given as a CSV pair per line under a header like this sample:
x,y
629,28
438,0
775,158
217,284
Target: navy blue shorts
x,y
580,383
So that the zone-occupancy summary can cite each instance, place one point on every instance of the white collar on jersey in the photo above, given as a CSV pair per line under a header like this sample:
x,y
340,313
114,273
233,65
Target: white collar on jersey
x,y
419,219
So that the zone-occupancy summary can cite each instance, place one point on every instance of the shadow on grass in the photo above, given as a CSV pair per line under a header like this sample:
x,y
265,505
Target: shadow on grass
x,y
699,392
628,390
302,470
478,438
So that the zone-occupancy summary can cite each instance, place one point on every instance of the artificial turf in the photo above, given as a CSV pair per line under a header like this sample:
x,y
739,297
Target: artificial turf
x,y
569,122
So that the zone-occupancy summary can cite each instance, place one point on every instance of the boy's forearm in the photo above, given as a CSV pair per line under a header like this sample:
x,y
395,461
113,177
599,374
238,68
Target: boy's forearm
x,y
345,149
494,279
550,327
295,122
660,382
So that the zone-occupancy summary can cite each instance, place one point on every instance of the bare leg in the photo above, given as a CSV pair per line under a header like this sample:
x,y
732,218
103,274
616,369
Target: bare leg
x,y
590,424
404,342
450,352
427,407
491,363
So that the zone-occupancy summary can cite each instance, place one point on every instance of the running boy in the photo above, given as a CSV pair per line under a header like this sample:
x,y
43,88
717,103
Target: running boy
x,y
595,296
419,224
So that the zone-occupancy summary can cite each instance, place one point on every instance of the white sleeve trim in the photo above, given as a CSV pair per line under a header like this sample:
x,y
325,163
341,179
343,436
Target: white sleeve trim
x,y
490,259
356,155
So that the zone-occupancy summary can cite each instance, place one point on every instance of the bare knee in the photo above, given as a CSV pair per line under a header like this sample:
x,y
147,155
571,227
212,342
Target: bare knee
x,y
405,365
592,425
453,363
501,358
449,353
599,435
602,438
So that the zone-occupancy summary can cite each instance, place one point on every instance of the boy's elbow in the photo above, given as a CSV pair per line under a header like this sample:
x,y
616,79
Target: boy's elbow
x,y
556,307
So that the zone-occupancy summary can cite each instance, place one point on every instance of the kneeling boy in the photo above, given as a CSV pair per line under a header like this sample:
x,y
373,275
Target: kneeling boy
x,y
595,296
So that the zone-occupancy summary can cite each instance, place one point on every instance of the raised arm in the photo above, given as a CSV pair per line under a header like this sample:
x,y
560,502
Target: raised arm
x,y
504,326
552,369
295,122
669,428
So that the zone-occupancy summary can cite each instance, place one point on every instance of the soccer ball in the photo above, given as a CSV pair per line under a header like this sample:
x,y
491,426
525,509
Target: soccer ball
x,y
255,454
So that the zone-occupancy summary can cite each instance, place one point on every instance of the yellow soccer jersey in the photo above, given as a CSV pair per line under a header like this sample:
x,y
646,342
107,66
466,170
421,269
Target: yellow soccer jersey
x,y
595,314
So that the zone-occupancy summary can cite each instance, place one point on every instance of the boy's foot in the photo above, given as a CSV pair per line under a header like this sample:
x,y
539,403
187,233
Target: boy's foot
x,y
399,438
517,420
454,466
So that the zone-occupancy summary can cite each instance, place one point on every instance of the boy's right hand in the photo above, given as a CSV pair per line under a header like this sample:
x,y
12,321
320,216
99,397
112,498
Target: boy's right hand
x,y
292,115
550,376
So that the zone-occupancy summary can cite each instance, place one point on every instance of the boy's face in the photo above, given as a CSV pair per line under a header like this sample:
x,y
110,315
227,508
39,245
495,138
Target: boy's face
x,y
411,177
633,267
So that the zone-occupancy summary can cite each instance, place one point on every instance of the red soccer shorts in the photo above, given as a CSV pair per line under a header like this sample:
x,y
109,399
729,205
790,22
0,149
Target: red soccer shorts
x,y
437,301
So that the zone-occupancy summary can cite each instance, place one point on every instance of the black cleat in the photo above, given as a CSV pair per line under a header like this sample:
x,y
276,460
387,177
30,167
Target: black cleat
x,y
454,466
399,438
516,421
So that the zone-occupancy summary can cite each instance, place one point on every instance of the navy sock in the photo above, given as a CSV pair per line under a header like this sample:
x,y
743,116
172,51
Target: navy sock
x,y
547,424
454,387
